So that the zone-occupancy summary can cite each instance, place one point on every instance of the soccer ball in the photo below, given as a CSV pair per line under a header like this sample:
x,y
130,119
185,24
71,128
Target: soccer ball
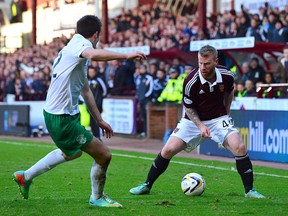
x,y
193,184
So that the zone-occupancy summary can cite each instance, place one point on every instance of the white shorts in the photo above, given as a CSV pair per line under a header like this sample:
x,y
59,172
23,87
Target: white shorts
x,y
220,128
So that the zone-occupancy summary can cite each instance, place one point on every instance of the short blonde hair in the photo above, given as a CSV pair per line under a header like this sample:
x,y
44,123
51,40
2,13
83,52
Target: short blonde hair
x,y
208,50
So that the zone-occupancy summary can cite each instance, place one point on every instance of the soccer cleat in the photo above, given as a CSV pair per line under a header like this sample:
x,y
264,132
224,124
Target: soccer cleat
x,y
140,190
104,201
254,194
23,184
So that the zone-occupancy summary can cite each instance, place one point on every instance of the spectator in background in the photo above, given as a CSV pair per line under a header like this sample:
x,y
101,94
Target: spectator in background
x,y
177,65
187,70
240,90
110,72
256,71
250,89
187,9
245,69
99,90
160,83
101,68
153,69
19,89
10,88
272,18
233,31
123,78
38,87
161,65
2,83
173,90
213,33
262,13
16,13
184,43
222,31
280,33
144,91
255,31
244,21
281,74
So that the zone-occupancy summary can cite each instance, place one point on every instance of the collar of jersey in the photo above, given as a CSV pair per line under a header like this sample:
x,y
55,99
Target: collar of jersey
x,y
218,78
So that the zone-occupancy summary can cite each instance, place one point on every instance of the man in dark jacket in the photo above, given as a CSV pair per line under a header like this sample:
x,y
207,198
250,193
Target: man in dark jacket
x,y
99,90
144,91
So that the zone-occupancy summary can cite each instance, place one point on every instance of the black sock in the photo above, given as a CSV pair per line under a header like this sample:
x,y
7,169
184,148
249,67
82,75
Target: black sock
x,y
158,167
244,168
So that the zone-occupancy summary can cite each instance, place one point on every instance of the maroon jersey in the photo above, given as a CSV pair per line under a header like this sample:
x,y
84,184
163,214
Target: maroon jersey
x,y
205,97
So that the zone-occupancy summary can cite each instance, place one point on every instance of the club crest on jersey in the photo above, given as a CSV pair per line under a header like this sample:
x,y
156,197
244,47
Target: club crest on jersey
x,y
201,92
221,87
81,139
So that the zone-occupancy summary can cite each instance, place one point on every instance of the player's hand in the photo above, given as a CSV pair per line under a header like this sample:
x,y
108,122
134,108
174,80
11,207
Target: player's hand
x,y
205,132
107,130
136,55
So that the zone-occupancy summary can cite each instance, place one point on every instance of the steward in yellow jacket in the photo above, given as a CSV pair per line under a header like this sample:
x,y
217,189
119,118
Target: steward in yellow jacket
x,y
173,90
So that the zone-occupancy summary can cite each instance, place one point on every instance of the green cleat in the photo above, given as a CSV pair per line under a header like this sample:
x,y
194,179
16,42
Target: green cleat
x,y
140,190
254,194
23,184
104,201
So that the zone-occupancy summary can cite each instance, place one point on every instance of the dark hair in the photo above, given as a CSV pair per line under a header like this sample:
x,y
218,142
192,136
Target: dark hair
x,y
88,25
144,66
255,59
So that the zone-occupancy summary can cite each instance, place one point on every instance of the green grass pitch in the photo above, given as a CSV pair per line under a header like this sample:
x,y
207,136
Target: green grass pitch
x,y
65,190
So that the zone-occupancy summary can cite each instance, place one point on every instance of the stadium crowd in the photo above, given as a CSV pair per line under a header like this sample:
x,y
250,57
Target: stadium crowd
x,y
26,72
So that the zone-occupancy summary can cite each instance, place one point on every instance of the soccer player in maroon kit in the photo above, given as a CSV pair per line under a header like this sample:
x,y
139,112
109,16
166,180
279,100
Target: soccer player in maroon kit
x,y
207,96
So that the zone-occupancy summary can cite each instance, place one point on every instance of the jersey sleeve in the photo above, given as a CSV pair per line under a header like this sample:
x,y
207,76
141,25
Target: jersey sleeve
x,y
188,86
79,45
231,80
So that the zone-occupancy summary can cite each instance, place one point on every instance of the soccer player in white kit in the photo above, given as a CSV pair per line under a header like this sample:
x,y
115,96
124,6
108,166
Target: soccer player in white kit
x,y
61,112
207,96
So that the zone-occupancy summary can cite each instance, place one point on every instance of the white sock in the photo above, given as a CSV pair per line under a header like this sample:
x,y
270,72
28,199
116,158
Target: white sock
x,y
98,178
48,162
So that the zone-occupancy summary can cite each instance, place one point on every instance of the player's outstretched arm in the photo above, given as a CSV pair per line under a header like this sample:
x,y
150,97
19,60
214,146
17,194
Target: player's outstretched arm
x,y
107,55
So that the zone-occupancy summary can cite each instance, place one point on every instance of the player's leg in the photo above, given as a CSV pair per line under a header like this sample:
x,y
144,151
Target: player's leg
x,y
173,146
185,136
102,157
67,133
52,159
244,166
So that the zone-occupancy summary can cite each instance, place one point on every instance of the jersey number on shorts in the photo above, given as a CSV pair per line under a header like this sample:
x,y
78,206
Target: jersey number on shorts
x,y
227,123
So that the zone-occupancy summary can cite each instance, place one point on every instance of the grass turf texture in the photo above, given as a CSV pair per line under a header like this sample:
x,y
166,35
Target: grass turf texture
x,y
65,190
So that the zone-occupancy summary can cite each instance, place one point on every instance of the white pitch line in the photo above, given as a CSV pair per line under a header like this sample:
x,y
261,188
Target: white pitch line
x,y
147,158
199,165
28,144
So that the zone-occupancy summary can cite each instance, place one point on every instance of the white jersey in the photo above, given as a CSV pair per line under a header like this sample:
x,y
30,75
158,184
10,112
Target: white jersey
x,y
68,78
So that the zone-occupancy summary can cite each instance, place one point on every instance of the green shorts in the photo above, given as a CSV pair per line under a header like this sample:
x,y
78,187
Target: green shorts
x,y
67,132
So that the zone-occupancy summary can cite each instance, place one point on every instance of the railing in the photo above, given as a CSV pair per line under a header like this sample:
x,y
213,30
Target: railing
x,y
272,90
